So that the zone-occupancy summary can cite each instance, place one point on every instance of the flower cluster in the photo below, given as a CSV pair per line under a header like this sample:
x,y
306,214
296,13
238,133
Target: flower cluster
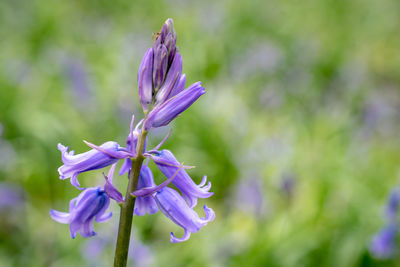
x,y
383,245
163,97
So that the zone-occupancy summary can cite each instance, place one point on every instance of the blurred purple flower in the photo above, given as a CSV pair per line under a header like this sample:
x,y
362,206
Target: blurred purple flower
x,y
169,165
93,248
79,81
392,205
287,184
175,208
11,197
97,158
140,254
90,205
249,197
383,244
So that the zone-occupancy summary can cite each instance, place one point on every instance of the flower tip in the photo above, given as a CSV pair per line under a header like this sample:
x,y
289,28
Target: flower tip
x,y
185,237
210,214
62,148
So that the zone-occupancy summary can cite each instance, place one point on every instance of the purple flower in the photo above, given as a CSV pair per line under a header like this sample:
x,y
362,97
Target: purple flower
x,y
97,158
147,203
159,73
250,198
11,197
140,254
383,244
392,205
175,208
90,205
168,165
170,109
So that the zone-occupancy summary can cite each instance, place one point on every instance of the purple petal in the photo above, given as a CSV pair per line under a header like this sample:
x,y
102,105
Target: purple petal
x,y
145,204
185,237
160,65
172,205
90,160
183,182
180,85
170,109
172,79
58,216
145,79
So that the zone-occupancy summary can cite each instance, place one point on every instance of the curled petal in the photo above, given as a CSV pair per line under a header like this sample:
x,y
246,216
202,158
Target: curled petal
x,y
185,237
58,216
210,214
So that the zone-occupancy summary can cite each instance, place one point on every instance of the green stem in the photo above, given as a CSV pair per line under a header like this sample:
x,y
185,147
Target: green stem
x,y
125,219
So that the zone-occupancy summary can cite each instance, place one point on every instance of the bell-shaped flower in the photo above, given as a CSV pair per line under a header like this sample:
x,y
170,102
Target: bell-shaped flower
x,y
169,165
88,207
146,203
97,158
163,114
175,208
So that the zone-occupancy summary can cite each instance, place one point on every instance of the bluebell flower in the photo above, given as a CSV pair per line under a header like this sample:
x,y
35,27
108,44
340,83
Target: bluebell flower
x,y
11,197
163,114
383,244
97,158
168,165
145,204
88,207
171,203
250,198
393,203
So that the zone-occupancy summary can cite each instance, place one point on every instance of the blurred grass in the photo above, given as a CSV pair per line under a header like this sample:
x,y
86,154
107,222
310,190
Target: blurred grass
x,y
310,88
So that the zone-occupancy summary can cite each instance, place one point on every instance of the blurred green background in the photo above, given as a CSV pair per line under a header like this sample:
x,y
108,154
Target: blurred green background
x,y
298,131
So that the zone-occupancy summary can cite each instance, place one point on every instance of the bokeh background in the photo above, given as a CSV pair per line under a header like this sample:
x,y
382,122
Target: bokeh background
x,y
298,131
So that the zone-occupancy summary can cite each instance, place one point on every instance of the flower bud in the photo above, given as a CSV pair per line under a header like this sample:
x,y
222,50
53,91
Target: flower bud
x,y
145,79
170,109
160,66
